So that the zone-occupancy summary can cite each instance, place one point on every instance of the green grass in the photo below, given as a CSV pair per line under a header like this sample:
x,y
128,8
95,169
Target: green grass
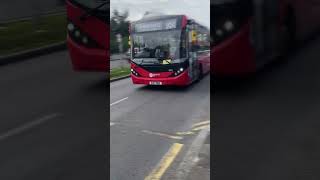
x,y
25,35
119,72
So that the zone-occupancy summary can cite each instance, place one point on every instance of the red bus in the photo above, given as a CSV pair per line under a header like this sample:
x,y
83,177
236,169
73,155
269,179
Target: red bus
x,y
168,50
247,34
88,34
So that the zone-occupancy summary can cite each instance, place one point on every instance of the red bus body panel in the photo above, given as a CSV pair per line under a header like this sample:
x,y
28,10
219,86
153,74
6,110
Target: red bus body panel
x,y
83,58
234,56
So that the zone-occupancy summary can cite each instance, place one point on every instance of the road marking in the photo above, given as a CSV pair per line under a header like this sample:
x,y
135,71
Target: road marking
x,y
184,133
119,101
200,127
201,123
111,123
27,126
195,127
162,134
191,155
165,162
114,85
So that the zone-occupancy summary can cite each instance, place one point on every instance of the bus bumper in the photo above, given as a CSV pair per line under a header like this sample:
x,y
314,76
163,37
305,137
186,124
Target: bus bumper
x,y
181,80
85,59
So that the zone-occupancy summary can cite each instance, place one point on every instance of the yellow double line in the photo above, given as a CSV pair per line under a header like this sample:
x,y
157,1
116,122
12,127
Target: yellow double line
x,y
165,162
196,127
173,152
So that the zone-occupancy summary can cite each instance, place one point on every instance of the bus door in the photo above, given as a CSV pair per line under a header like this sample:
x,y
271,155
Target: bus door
x,y
193,65
265,30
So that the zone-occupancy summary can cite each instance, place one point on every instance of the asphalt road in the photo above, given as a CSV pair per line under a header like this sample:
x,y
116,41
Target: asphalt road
x,y
139,113
53,121
267,127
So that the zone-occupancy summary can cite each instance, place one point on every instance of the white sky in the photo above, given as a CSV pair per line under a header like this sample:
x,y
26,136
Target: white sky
x,y
196,9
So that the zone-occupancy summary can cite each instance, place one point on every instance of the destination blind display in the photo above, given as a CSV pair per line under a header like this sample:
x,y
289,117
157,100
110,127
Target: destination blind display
x,y
156,25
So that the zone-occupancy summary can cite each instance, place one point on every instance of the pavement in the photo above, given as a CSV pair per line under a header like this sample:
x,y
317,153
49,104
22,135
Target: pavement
x,y
267,127
153,129
53,121
201,170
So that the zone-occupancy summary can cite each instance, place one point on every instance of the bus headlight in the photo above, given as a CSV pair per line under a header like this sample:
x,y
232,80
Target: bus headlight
x,y
70,27
219,32
134,72
228,25
80,37
77,34
230,17
177,72
85,40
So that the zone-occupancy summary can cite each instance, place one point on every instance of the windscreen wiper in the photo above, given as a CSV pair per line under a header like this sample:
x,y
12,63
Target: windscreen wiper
x,y
91,11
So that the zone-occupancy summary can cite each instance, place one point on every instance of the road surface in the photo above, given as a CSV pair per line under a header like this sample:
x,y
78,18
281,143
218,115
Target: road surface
x,y
267,128
145,122
53,121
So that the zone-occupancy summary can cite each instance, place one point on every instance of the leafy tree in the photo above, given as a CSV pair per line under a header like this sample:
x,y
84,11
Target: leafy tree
x,y
119,25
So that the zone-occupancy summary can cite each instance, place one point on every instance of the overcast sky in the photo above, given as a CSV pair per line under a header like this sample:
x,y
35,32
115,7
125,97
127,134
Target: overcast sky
x,y
196,9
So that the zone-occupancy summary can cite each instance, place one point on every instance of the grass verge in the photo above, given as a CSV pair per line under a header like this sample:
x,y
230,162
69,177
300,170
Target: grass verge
x,y
119,72
28,34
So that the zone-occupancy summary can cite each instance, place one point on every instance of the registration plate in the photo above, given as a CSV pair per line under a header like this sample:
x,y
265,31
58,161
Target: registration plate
x,y
155,83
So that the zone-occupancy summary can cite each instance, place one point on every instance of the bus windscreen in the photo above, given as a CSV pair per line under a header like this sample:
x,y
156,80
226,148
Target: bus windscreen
x,y
158,45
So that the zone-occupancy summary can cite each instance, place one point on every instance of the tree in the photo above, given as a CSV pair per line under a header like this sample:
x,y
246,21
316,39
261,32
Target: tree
x,y
119,25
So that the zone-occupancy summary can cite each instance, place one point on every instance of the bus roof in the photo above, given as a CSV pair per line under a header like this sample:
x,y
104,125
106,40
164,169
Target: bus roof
x,y
157,17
